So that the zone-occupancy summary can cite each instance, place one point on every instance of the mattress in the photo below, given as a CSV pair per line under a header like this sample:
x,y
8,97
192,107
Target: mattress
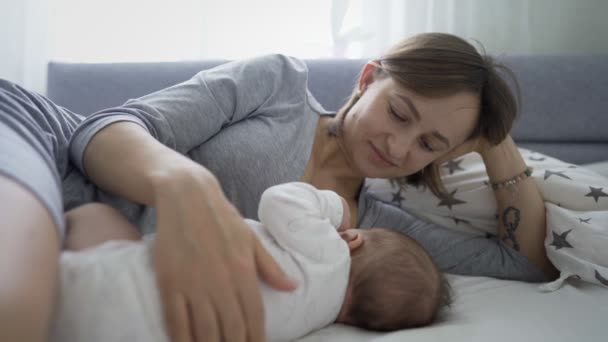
x,y
486,309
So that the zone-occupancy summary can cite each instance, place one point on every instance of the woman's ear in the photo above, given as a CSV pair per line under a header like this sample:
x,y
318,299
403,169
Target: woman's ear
x,y
368,75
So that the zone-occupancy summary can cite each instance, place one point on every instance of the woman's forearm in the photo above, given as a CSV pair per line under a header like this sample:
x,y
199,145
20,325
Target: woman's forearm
x,y
521,210
126,160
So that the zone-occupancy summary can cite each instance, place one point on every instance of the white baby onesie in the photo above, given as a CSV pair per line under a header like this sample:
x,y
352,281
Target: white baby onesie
x,y
108,293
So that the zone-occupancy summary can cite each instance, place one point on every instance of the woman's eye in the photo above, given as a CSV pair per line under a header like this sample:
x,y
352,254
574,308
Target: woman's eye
x,y
397,116
425,145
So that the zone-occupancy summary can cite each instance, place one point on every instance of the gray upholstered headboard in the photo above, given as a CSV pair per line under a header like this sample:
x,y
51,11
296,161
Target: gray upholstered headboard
x,y
564,98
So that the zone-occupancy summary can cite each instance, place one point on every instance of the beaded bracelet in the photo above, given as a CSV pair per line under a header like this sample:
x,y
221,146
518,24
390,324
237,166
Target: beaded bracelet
x,y
511,182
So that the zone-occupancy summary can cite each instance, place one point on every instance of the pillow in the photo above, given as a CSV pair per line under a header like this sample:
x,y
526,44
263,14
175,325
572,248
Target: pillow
x,y
576,202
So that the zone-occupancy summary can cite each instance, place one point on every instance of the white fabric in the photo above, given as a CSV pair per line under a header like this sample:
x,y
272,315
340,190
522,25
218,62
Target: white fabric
x,y
576,201
487,309
600,167
108,293
301,223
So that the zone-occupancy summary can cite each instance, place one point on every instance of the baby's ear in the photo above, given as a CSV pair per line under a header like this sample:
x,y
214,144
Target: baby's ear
x,y
353,238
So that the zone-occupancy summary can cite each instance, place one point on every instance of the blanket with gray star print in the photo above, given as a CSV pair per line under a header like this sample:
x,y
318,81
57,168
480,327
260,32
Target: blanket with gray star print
x,y
576,202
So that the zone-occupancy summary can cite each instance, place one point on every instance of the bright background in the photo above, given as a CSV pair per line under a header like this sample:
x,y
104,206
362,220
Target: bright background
x,y
34,32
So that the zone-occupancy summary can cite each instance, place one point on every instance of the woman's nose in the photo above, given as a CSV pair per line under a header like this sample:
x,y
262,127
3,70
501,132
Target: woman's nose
x,y
399,146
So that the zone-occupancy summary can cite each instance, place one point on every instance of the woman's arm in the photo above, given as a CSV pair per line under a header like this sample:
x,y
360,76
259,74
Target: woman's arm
x,y
521,210
187,115
453,251
207,260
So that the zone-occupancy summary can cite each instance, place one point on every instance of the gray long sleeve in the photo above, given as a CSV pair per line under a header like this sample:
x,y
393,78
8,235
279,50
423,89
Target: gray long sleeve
x,y
188,114
249,122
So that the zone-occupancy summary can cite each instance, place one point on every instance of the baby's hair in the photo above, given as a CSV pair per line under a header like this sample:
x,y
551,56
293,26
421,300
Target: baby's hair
x,y
395,284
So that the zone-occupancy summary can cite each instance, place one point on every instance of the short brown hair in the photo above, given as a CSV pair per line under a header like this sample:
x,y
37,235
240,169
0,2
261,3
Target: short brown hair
x,y
394,283
440,64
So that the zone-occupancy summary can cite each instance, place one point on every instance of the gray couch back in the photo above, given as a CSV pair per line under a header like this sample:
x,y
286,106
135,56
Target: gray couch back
x,y
564,98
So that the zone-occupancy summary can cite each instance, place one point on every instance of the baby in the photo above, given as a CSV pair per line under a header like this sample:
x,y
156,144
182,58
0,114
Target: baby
x,y
375,279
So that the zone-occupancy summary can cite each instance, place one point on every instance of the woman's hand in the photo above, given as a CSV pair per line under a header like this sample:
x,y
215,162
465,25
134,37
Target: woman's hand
x,y
207,262
479,145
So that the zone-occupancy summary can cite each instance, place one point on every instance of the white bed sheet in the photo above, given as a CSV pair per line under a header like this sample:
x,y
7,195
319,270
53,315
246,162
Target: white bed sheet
x,y
486,309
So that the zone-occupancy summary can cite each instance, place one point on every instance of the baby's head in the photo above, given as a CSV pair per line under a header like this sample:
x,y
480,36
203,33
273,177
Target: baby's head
x,y
393,282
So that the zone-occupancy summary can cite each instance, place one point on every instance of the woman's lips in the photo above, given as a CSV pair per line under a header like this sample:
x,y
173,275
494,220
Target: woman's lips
x,y
379,158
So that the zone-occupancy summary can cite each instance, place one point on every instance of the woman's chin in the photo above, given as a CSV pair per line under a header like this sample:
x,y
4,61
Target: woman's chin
x,y
369,171
370,168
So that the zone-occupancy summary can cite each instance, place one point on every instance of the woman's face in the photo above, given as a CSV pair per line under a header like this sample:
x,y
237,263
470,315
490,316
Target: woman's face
x,y
393,132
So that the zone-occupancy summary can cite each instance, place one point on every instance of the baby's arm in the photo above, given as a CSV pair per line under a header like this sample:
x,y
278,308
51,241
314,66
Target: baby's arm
x,y
94,223
301,217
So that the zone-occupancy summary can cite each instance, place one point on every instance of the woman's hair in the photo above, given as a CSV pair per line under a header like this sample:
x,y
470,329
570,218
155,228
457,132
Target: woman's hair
x,y
440,64
394,283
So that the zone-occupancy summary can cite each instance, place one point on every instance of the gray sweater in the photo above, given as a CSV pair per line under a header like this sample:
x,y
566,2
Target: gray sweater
x,y
252,123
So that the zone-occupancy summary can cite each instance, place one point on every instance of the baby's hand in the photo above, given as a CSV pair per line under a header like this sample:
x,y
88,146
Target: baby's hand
x,y
345,216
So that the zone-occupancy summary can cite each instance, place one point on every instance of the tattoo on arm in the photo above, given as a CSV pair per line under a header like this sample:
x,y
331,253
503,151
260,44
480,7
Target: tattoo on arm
x,y
510,219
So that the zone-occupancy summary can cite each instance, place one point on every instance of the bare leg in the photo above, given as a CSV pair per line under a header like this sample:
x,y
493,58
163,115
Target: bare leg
x,y
94,223
29,250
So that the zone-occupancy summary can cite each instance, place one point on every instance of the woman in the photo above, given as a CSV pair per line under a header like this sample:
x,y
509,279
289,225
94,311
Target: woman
x,y
242,127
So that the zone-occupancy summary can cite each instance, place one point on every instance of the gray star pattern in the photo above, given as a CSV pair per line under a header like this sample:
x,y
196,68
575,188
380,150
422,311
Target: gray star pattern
x,y
549,173
596,193
458,220
559,240
581,220
449,200
601,279
397,198
537,159
454,165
